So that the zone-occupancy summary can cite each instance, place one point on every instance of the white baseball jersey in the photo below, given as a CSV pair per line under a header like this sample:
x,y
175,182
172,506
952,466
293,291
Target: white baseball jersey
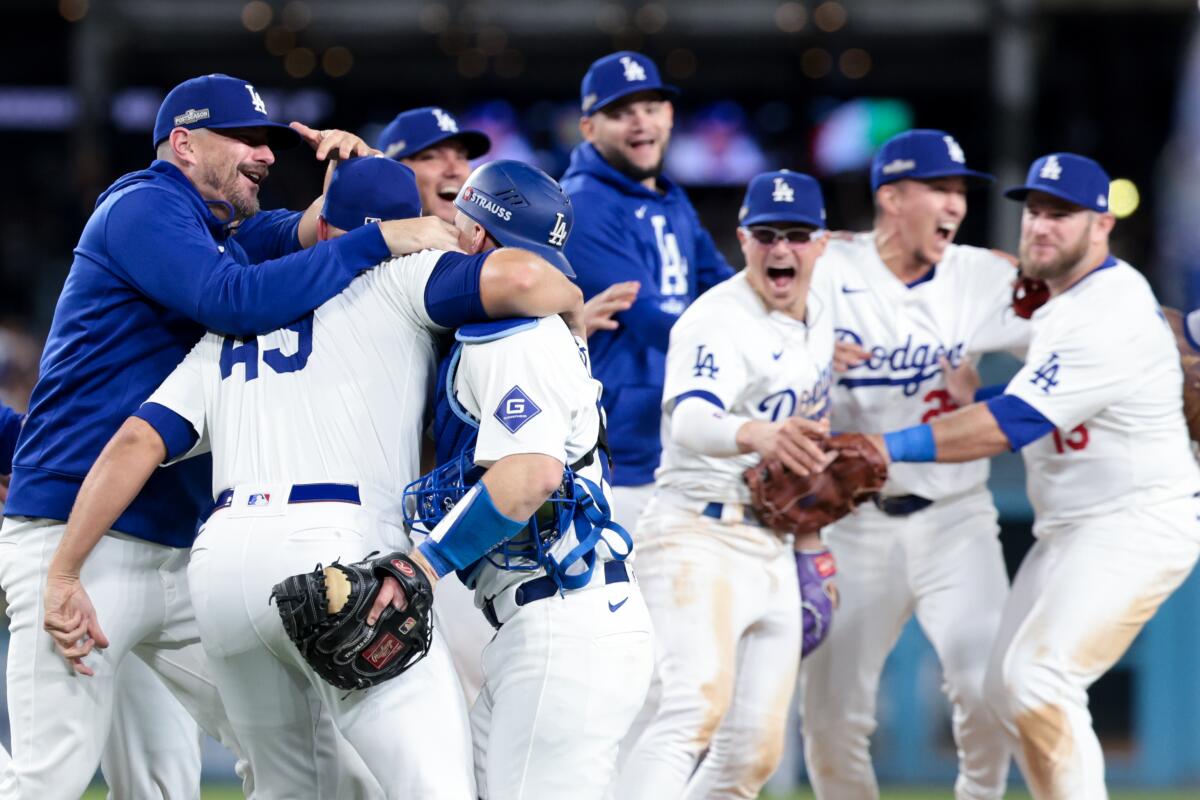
x,y
338,396
730,350
1104,369
532,391
960,310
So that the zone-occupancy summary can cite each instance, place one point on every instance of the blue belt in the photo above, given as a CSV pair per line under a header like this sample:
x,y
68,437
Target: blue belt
x,y
300,493
902,505
714,510
543,587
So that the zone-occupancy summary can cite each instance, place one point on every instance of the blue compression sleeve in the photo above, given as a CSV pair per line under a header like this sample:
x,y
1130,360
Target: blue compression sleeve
x,y
1020,422
988,392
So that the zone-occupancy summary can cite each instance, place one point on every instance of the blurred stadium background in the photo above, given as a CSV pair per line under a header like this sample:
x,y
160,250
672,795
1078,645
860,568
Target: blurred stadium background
x,y
813,85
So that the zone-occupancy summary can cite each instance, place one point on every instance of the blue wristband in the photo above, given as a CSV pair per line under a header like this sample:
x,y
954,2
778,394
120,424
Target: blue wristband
x,y
472,528
911,444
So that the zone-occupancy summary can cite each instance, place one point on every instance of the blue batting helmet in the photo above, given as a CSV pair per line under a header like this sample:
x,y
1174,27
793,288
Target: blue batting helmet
x,y
520,206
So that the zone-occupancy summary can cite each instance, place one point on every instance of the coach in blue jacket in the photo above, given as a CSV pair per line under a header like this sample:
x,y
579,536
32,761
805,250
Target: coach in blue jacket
x,y
632,223
169,251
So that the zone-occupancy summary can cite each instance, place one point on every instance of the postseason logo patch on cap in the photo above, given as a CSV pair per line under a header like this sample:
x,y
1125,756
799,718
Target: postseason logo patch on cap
x,y
898,165
191,116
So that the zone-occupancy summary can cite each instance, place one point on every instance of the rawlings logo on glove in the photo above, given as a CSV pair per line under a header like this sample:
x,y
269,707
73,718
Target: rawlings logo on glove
x,y
789,503
325,614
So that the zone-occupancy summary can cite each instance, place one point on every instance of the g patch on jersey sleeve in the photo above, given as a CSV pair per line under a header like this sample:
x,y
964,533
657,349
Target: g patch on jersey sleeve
x,y
515,409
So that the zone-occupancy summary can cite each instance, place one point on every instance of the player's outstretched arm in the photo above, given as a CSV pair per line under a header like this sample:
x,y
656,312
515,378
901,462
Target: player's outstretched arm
x,y
517,283
124,466
963,435
332,146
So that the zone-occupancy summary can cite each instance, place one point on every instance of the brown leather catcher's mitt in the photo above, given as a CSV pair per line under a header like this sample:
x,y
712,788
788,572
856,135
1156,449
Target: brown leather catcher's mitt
x,y
789,503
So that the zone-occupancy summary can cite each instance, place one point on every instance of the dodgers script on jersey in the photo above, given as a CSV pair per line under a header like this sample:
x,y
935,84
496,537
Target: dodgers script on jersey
x,y
357,414
728,350
1104,368
961,310
550,406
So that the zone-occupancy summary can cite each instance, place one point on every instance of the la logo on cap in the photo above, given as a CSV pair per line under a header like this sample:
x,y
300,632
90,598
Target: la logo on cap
x,y
955,150
445,121
259,105
783,193
633,70
558,235
1051,170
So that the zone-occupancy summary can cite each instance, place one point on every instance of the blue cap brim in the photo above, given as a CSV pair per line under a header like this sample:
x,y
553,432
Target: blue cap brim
x,y
1019,193
974,179
279,136
671,92
766,218
477,144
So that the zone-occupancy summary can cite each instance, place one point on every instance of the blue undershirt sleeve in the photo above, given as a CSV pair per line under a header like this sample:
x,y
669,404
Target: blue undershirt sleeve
x,y
1020,422
174,261
176,432
452,291
988,392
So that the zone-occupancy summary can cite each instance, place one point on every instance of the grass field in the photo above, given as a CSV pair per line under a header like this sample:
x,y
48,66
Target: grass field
x,y
225,792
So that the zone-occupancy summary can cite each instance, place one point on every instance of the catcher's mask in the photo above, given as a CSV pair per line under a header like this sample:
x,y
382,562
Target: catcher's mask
x,y
578,503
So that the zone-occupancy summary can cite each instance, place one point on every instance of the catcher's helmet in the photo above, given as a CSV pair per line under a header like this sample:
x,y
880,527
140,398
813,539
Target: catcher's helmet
x,y
520,206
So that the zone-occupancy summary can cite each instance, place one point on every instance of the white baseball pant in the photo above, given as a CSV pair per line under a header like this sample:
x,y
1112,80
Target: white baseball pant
x,y
944,564
61,720
564,678
724,600
1080,598
411,731
465,630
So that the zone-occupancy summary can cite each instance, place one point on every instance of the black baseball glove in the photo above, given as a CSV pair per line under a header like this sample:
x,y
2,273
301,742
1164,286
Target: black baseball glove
x,y
325,614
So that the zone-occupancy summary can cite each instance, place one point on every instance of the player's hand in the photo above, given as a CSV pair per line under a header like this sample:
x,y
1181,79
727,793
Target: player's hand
x,y
961,381
795,441
847,355
877,440
389,594
405,236
598,312
333,143
71,620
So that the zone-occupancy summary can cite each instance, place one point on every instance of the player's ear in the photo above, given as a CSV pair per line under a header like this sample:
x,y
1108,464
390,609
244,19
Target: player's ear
x,y
183,146
586,129
1104,225
887,198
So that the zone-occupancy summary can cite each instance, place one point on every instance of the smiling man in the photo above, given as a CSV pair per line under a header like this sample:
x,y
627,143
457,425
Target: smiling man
x,y
636,231
911,298
1097,415
748,376
169,250
429,142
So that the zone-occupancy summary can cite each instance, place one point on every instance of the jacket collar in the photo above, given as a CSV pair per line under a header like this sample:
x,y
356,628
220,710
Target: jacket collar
x,y
585,159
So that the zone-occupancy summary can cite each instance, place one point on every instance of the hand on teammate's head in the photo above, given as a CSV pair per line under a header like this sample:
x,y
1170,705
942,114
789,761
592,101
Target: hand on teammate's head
x,y
333,143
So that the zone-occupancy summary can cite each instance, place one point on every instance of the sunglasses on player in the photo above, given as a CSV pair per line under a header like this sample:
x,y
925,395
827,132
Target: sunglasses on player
x,y
765,234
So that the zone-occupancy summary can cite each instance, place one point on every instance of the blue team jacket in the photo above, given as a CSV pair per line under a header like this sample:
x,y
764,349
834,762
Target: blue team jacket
x,y
10,427
153,269
624,231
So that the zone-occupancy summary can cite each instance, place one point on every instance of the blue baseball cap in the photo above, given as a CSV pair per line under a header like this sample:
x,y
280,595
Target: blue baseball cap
x,y
783,196
1076,179
610,78
413,131
520,206
218,101
370,189
922,154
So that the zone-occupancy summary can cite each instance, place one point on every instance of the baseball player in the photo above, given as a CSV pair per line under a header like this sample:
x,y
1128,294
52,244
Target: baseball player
x,y
635,225
914,301
156,262
1096,413
314,430
748,375
533,536
430,142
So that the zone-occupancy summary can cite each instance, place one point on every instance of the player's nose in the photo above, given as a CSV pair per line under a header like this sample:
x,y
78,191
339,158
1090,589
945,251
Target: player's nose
x,y
263,154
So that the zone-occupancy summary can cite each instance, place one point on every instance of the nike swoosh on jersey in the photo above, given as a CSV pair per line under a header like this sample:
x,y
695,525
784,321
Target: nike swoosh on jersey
x,y
848,290
613,608
777,356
